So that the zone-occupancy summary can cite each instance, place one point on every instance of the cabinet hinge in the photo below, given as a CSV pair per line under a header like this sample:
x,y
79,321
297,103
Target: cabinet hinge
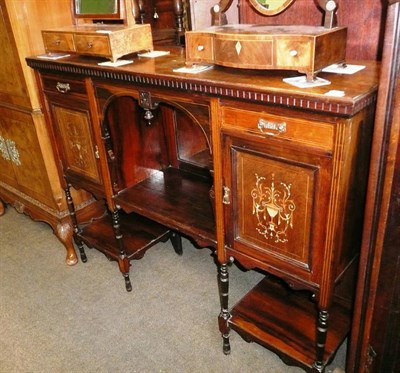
x,y
226,199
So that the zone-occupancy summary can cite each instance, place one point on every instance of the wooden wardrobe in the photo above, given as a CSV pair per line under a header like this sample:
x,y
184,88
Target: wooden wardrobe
x,y
29,178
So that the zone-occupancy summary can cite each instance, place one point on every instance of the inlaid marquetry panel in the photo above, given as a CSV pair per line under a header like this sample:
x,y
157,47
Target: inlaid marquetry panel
x,y
274,205
76,138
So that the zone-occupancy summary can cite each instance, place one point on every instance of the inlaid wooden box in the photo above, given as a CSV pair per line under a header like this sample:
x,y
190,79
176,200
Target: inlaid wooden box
x,y
307,49
109,41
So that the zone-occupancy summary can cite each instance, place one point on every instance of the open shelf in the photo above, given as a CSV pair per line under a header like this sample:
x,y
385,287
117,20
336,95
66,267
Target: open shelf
x,y
176,199
139,234
285,321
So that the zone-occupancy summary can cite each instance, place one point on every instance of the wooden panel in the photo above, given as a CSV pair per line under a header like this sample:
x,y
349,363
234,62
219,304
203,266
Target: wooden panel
x,y
13,88
26,20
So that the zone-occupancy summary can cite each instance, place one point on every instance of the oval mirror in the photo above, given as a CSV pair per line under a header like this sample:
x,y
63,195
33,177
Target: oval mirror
x,y
270,7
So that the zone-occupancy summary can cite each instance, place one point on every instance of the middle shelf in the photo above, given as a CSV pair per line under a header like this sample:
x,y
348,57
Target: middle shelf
x,y
176,199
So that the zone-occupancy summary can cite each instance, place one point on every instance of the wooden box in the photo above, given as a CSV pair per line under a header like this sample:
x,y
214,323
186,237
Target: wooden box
x,y
109,41
307,49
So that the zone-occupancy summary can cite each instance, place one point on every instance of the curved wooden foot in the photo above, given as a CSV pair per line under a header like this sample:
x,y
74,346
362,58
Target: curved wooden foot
x,y
64,233
2,208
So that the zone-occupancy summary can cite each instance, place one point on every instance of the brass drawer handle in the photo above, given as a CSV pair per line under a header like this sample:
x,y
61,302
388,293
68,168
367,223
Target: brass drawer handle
x,y
63,87
57,42
265,126
89,45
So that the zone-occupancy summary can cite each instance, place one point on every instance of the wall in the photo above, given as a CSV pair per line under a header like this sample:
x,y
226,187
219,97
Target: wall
x,y
201,13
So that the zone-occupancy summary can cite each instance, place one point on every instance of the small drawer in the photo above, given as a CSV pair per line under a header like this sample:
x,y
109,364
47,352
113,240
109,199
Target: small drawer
x,y
58,41
199,47
236,51
292,53
260,123
63,85
98,45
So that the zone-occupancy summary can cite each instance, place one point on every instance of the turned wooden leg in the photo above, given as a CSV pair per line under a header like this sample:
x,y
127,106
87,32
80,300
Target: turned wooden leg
x,y
71,209
223,318
322,330
2,208
123,261
179,27
176,241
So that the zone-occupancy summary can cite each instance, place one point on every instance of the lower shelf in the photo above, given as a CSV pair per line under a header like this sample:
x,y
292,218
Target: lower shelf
x,y
285,322
139,234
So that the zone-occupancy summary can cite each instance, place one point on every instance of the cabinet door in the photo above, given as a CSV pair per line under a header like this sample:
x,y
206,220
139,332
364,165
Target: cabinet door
x,y
21,162
75,141
275,204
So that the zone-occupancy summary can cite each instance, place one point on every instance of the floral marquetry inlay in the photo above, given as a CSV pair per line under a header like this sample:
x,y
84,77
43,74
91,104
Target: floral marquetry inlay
x,y
3,149
79,151
273,208
77,145
9,151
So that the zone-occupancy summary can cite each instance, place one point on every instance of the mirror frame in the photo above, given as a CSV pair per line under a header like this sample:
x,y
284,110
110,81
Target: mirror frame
x,y
100,16
256,4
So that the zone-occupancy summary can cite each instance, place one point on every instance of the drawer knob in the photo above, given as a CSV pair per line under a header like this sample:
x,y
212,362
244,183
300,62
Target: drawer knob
x,y
200,48
89,45
57,42
63,87
293,53
266,127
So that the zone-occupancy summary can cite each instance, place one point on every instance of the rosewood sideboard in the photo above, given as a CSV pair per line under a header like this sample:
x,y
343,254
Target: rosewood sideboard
x,y
268,175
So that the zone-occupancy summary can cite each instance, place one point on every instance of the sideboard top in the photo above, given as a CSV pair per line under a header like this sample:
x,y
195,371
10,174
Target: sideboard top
x,y
248,85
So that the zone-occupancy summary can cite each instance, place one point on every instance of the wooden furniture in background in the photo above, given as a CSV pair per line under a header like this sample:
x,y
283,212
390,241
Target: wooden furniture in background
x,y
168,19
375,342
286,169
29,177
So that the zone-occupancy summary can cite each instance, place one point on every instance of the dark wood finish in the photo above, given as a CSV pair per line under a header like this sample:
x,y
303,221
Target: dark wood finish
x,y
272,309
364,22
179,200
375,343
249,123
139,234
